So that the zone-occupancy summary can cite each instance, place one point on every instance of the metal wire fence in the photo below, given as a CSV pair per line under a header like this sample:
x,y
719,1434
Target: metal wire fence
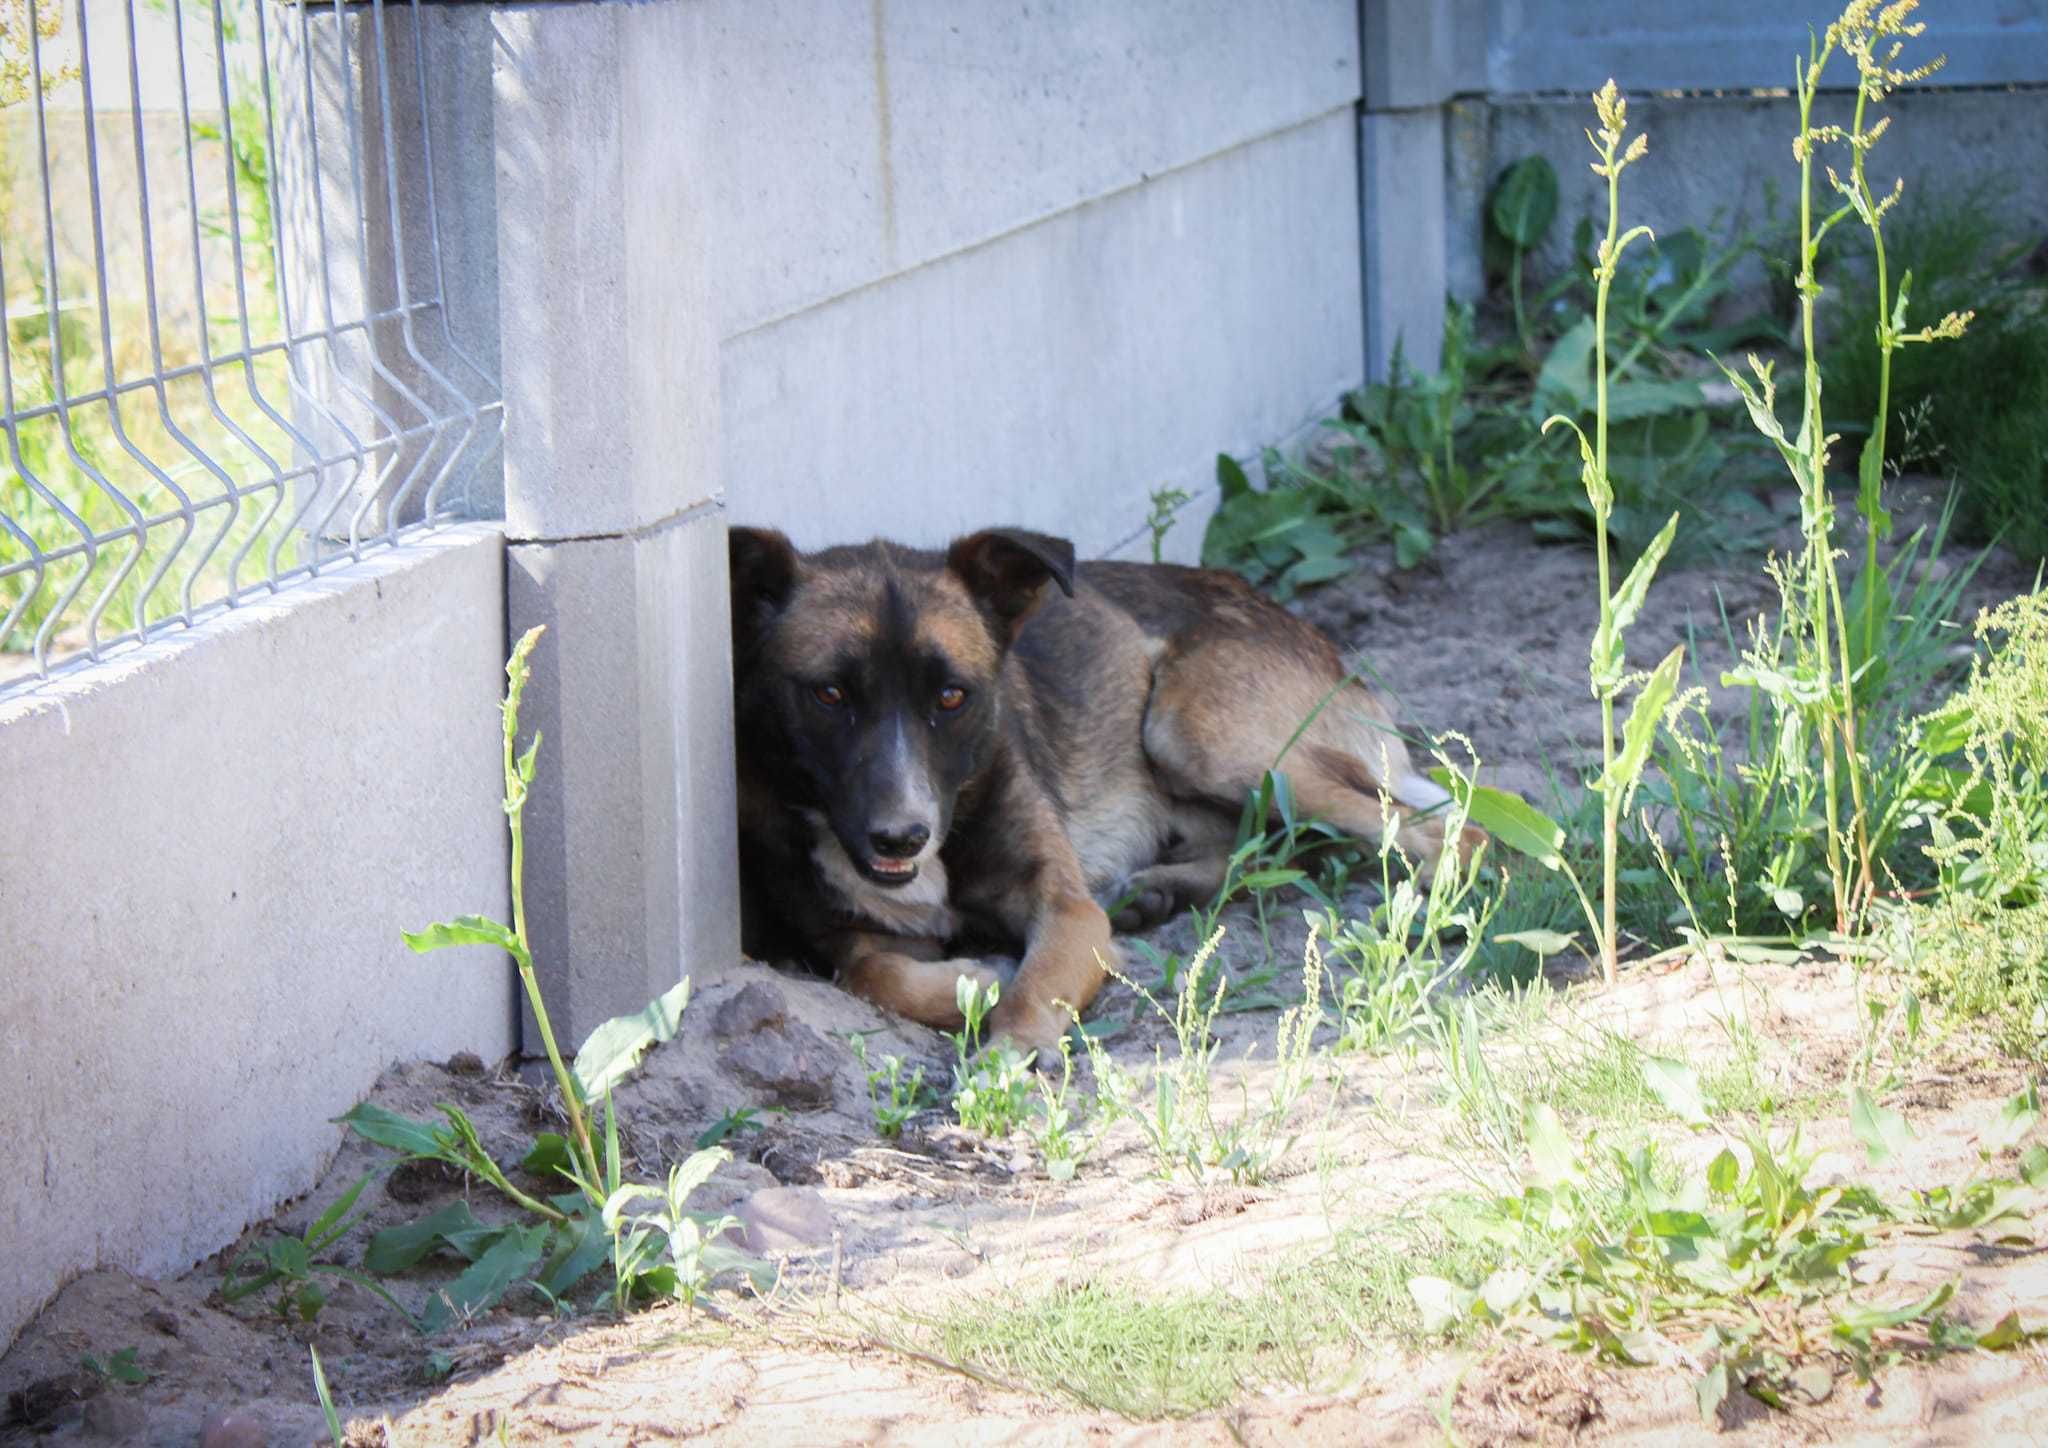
x,y
229,362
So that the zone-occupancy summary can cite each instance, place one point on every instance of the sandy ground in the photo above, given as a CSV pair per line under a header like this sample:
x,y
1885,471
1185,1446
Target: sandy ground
x,y
871,1237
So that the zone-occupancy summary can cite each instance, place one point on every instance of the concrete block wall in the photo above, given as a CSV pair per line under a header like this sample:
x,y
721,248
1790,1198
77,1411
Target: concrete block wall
x,y
210,847
1458,90
1025,262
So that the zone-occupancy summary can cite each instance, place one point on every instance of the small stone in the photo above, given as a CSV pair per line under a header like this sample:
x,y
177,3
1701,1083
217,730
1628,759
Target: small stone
x,y
778,1220
163,1320
233,1428
115,1417
465,1063
754,1007
791,1062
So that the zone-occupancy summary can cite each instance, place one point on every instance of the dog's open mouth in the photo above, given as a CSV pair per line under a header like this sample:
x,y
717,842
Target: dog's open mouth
x,y
885,870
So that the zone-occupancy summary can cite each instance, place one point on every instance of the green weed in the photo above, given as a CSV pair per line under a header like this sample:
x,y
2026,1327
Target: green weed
x,y
895,1096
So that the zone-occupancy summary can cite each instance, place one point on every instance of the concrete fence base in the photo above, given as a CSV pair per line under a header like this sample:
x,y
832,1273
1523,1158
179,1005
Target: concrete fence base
x,y
209,848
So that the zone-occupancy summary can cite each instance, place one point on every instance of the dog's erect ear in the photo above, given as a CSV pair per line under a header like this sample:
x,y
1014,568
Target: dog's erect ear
x,y
1007,568
763,564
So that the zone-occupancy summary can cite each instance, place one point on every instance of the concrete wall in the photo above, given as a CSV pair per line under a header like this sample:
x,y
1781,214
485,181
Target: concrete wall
x,y
1457,91
209,848
1027,268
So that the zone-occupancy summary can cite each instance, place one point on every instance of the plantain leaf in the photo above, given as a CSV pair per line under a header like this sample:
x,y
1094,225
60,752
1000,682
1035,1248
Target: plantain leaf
x,y
388,1128
1545,943
487,1279
396,1248
1525,202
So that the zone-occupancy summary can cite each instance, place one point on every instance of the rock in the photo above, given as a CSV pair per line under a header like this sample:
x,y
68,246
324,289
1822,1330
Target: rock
x,y
234,1428
115,1417
754,1007
778,1220
464,1063
790,1061
163,1320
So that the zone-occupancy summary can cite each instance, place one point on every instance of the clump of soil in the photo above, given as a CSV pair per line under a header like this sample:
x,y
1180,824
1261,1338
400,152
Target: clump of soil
x,y
872,1236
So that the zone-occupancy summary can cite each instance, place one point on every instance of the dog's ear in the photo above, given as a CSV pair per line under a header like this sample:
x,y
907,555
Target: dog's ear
x,y
1006,570
763,564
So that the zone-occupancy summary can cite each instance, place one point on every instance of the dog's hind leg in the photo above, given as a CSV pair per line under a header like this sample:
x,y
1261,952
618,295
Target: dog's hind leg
x,y
1223,710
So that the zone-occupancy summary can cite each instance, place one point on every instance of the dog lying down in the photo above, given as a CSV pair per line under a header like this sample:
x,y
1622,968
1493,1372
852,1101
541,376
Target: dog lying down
x,y
948,756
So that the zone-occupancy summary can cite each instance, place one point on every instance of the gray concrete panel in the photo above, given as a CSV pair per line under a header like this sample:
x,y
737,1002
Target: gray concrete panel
x,y
211,847
1057,376
856,141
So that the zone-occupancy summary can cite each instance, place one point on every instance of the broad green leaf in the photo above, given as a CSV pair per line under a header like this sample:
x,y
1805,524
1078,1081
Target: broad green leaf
x,y
1652,397
1870,490
2015,1119
579,1249
388,1128
1723,1172
396,1248
1711,1390
1443,1303
1608,654
1504,1290
1677,1085
2007,1332
549,1157
615,1205
694,1172
1230,478
1681,1224
1507,817
1855,1321
1412,544
1552,1159
611,1051
489,1278
1545,943
1565,383
1882,1131
466,930
1525,202
1789,901
1640,732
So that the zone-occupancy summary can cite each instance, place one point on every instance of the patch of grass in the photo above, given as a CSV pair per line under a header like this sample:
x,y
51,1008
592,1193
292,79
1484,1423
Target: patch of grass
x,y
1118,1346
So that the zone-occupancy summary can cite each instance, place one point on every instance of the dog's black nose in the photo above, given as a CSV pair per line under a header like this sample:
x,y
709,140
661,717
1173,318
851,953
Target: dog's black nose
x,y
901,842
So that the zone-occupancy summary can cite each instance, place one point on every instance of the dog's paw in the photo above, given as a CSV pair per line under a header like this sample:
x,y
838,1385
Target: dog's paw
x,y
1135,905
1025,1026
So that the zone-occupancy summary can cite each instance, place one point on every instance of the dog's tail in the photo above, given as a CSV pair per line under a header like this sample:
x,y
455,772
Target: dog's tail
x,y
1357,772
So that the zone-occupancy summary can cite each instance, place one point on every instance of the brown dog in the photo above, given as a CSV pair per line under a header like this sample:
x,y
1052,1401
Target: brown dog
x,y
943,756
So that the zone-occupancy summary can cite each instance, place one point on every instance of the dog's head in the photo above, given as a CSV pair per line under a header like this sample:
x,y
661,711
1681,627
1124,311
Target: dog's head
x,y
868,678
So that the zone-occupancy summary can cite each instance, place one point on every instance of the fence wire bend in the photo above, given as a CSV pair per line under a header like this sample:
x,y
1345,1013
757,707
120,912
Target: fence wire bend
x,y
229,362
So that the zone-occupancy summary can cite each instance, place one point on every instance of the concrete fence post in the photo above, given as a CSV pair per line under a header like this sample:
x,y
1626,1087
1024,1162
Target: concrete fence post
x,y
614,512
1417,55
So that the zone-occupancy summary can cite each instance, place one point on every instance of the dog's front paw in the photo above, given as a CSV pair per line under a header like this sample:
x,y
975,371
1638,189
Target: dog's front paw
x,y
1024,1025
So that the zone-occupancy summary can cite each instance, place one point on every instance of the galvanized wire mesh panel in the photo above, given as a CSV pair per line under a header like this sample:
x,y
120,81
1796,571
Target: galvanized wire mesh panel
x,y
229,362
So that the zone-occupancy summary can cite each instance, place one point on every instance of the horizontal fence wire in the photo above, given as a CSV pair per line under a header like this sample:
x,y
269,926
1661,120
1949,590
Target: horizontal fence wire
x,y
229,363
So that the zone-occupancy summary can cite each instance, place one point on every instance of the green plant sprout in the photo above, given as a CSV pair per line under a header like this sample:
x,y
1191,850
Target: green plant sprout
x,y
1621,767
895,1095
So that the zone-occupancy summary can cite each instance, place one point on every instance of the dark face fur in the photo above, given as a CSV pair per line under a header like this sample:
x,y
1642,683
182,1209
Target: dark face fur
x,y
867,679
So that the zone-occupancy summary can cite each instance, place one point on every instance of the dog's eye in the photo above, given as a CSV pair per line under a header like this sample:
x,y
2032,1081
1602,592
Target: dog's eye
x,y
952,697
830,695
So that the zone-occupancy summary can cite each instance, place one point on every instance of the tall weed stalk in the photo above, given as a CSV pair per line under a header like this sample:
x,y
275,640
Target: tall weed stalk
x,y
1622,760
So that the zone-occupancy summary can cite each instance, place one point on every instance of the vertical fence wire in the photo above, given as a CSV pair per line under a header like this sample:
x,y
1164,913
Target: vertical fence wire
x,y
170,452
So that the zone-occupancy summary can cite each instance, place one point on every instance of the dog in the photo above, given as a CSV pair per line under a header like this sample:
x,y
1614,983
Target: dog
x,y
946,756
